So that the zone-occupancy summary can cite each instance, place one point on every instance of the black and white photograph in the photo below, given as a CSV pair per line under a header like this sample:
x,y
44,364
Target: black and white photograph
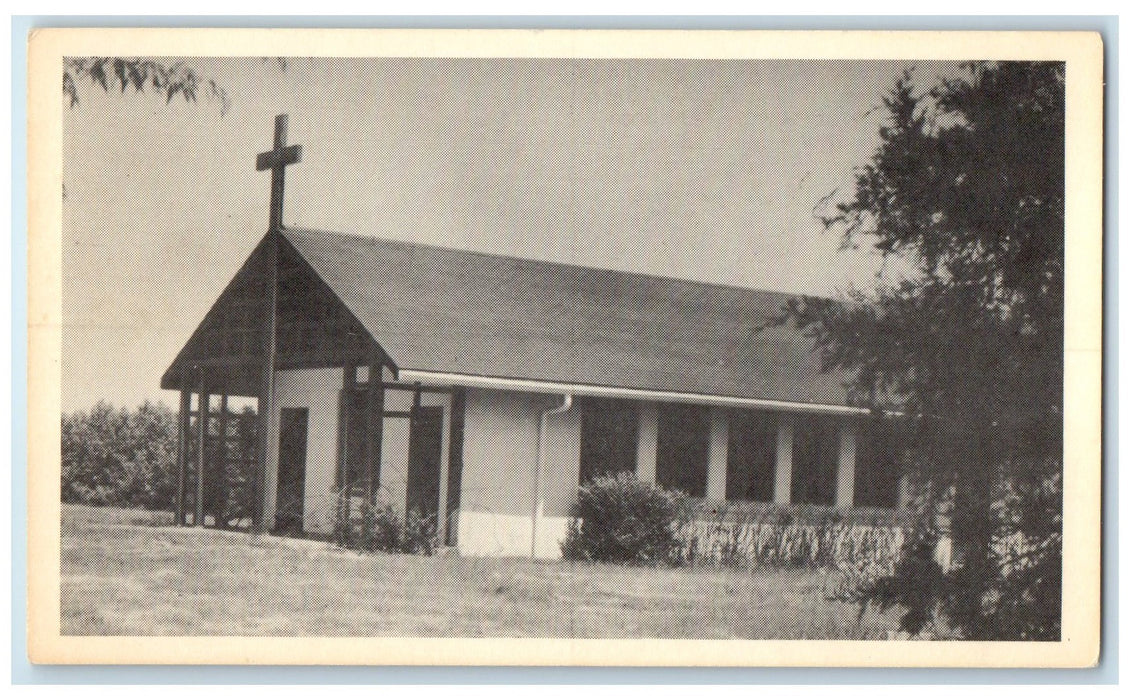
x,y
460,346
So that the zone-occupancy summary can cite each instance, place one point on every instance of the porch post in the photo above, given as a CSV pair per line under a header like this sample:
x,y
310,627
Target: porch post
x,y
221,459
182,451
905,496
647,440
444,471
374,433
845,466
267,385
201,451
717,455
783,478
348,384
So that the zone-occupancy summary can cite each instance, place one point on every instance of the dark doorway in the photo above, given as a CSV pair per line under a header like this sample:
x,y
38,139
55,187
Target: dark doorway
x,y
816,446
291,490
608,437
752,456
424,447
683,448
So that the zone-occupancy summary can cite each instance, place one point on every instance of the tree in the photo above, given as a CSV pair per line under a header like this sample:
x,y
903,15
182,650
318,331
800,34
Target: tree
x,y
966,192
119,457
166,79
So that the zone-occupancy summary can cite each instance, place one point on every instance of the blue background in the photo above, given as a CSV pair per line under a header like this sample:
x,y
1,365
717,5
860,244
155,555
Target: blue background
x,y
23,672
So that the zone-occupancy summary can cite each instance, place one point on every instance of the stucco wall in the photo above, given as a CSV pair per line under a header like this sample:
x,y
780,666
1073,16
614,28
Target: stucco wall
x,y
499,456
316,390
395,444
500,440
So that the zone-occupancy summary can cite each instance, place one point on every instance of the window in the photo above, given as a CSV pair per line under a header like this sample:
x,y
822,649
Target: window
x,y
683,449
752,456
816,448
877,466
608,437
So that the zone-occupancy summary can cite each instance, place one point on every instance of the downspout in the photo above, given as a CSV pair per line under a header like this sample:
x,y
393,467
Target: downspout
x,y
566,404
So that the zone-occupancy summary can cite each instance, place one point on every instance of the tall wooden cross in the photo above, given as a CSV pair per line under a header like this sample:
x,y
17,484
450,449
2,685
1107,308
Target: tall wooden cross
x,y
276,161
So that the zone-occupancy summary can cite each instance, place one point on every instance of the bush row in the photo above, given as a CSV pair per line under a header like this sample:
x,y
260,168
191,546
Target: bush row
x,y
120,457
127,458
621,519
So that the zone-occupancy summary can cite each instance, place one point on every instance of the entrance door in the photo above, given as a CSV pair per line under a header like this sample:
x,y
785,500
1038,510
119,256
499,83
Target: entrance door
x,y
291,489
423,461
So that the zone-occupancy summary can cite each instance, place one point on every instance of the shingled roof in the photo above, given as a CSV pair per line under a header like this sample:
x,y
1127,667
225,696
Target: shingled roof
x,y
443,310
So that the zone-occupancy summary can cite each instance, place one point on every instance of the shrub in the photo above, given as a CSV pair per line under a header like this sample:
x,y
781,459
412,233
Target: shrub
x,y
621,519
383,529
795,536
128,458
119,457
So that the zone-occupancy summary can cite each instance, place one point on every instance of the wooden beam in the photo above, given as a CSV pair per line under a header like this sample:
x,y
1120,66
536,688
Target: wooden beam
x,y
201,452
444,472
267,386
400,414
345,403
414,414
182,452
221,457
374,433
405,386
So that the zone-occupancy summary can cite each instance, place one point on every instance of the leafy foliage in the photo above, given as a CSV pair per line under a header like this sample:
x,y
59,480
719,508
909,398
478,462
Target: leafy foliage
x,y
127,458
383,529
118,457
966,191
166,79
796,536
620,519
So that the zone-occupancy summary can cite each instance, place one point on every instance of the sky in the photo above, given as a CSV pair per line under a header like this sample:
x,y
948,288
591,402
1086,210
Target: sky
x,y
700,169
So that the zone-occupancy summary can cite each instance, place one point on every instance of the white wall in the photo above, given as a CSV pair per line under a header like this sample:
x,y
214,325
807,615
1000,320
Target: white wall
x,y
316,390
499,458
395,445
500,434
394,453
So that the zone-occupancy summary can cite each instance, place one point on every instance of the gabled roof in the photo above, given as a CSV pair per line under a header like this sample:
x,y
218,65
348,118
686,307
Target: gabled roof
x,y
451,311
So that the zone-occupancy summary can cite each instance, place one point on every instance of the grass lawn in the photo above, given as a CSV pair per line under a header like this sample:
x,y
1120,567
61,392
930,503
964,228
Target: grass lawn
x,y
128,573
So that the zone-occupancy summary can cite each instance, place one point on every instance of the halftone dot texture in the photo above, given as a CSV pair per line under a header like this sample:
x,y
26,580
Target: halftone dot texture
x,y
447,310
454,311
121,575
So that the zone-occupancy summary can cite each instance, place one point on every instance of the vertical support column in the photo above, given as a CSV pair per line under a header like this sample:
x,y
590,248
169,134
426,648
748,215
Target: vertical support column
x,y
182,452
444,471
783,476
845,466
344,487
374,433
201,451
647,442
905,495
718,455
267,385
221,459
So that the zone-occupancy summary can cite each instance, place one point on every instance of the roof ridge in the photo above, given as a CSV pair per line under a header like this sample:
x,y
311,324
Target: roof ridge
x,y
301,230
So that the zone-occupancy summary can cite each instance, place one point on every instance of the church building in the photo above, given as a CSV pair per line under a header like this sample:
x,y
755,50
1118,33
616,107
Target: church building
x,y
483,390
